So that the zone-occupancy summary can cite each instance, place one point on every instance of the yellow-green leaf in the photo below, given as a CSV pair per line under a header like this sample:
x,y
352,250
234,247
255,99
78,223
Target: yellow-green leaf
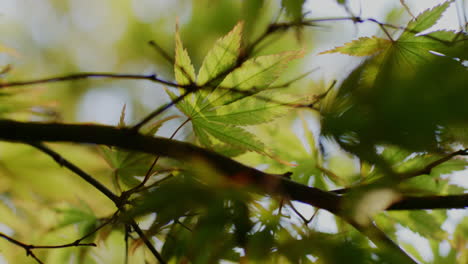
x,y
231,135
363,46
248,111
253,76
222,56
425,20
183,68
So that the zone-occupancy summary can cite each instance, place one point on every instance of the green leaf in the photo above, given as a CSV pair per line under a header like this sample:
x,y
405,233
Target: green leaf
x,y
363,46
248,111
84,217
126,165
425,224
183,68
233,135
184,105
425,20
254,75
406,85
228,150
428,185
216,113
449,43
222,57
458,134
252,12
154,127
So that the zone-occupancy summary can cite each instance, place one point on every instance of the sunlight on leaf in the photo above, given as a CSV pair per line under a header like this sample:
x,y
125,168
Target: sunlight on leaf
x,y
183,68
222,57
253,75
363,46
425,20
248,111
230,134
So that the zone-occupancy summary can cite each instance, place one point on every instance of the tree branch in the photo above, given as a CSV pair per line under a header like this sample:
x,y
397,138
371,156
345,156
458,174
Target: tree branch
x,y
233,170
431,202
128,139
269,183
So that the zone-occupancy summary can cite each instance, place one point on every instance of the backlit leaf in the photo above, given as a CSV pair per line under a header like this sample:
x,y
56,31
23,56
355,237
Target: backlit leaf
x,y
183,68
424,223
222,57
254,75
230,134
363,46
425,20
248,111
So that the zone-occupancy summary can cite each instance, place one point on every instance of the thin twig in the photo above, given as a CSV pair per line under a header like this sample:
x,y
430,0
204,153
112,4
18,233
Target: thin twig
x,y
90,75
119,201
306,222
148,243
407,175
177,221
24,246
64,162
159,111
382,26
148,172
28,248
161,51
428,168
144,188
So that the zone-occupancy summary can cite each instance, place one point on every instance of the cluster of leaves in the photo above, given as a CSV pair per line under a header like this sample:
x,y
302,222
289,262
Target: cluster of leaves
x,y
408,93
228,99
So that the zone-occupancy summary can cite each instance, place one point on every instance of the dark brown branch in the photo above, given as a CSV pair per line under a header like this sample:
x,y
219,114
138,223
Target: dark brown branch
x,y
124,138
431,202
128,139
233,170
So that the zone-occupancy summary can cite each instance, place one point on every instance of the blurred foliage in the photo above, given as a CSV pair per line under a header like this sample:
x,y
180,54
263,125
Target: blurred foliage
x,y
399,111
